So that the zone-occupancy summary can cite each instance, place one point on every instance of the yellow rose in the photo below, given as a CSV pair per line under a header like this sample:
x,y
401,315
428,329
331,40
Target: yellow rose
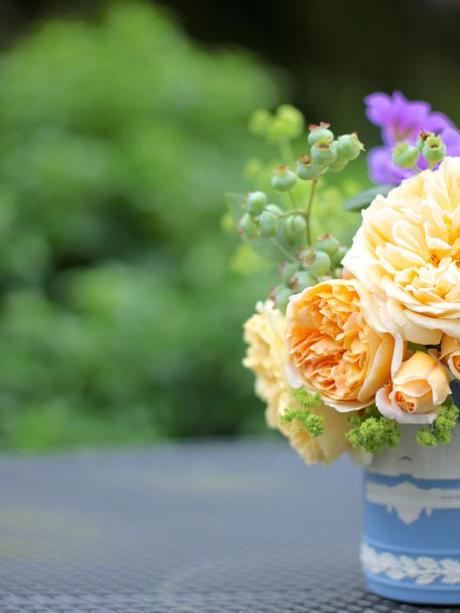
x,y
324,448
266,357
333,349
264,332
450,354
418,389
407,253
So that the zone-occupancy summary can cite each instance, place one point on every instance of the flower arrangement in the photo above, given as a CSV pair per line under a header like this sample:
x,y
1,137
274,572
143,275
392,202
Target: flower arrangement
x,y
352,343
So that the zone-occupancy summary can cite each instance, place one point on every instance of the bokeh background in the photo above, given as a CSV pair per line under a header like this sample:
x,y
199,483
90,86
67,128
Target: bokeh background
x,y
122,125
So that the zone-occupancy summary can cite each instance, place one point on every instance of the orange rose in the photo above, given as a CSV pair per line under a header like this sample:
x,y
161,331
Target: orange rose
x,y
332,349
266,357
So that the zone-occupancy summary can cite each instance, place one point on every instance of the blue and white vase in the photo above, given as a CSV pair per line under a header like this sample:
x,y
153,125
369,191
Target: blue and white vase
x,y
411,541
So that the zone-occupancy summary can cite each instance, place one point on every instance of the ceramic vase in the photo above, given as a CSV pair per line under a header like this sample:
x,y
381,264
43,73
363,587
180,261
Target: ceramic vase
x,y
410,549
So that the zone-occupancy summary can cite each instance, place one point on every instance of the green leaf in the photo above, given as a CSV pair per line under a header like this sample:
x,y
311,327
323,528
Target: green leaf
x,y
363,199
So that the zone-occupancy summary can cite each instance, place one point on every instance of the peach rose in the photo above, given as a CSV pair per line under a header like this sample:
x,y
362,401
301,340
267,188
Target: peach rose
x,y
418,389
333,349
407,253
266,355
324,448
450,354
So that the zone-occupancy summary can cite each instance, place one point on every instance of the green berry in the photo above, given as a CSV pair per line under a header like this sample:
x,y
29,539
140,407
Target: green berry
x,y
323,153
288,270
256,202
327,243
349,146
303,279
283,179
420,142
295,227
282,296
306,169
338,256
268,222
321,264
308,256
320,133
338,165
248,226
434,149
405,155
275,209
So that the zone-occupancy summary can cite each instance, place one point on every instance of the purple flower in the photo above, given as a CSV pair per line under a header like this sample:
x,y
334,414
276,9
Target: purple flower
x,y
402,121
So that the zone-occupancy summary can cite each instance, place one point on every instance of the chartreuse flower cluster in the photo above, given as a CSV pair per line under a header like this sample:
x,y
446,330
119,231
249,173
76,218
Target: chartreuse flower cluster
x,y
372,432
352,345
312,423
440,432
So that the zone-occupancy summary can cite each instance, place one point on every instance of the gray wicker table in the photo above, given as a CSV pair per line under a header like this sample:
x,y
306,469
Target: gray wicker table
x,y
206,527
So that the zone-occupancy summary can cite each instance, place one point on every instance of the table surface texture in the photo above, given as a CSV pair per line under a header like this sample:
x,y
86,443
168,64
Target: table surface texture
x,y
202,527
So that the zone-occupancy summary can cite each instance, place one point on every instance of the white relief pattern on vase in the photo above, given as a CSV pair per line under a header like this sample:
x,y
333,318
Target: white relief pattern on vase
x,y
409,501
422,570
409,458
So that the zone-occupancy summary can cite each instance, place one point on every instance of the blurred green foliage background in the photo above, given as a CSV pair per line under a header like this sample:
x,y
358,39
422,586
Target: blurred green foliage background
x,y
120,315
121,297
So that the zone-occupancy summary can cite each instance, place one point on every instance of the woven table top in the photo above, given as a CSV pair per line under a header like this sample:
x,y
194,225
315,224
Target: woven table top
x,y
203,527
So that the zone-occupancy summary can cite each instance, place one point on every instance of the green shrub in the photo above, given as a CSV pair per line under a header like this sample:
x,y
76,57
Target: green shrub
x,y
120,314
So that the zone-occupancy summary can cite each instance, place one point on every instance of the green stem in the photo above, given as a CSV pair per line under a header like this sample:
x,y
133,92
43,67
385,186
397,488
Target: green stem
x,y
309,207
291,211
292,199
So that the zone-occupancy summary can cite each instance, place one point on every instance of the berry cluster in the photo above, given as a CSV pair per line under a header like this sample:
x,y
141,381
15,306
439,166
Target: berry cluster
x,y
428,145
286,223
